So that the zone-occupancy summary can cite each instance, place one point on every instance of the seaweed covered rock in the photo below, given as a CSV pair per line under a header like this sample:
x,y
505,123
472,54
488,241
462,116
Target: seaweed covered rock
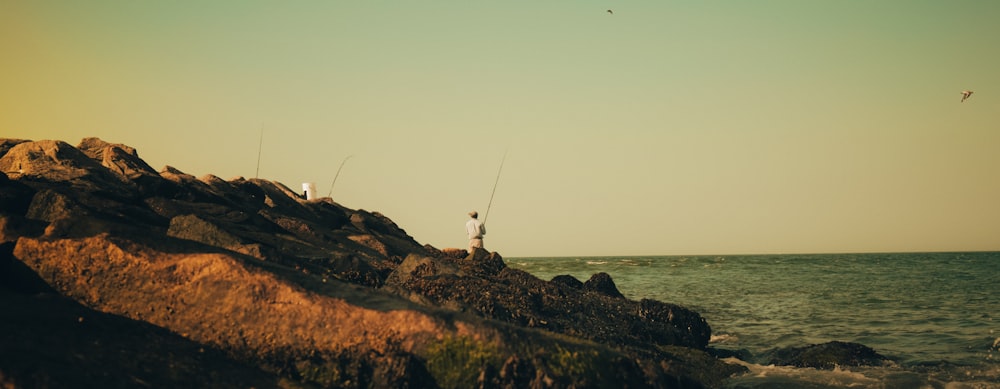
x,y
594,310
826,356
568,281
603,284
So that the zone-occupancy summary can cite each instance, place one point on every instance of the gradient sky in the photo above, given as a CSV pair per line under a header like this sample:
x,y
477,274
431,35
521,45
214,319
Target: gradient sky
x,y
668,127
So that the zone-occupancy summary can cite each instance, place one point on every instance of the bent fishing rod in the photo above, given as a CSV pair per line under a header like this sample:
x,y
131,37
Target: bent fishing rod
x,y
337,175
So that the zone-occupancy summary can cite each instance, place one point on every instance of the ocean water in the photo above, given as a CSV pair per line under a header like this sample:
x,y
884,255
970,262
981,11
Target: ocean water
x,y
936,315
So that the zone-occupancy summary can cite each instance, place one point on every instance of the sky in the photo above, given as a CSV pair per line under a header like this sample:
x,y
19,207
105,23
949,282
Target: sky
x,y
678,127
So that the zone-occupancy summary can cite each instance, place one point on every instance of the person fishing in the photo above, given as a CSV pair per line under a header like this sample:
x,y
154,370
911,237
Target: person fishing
x,y
476,230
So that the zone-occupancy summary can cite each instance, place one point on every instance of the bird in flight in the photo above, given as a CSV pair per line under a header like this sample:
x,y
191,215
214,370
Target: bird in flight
x,y
966,94
611,12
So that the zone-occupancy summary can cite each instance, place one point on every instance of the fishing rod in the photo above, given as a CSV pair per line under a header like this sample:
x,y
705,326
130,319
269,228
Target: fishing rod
x,y
337,175
260,146
495,187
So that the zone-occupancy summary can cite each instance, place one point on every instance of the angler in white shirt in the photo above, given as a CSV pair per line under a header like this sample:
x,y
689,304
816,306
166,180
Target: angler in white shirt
x,y
476,230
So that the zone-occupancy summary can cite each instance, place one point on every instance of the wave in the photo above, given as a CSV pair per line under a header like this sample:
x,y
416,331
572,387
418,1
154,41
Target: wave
x,y
723,338
890,376
943,336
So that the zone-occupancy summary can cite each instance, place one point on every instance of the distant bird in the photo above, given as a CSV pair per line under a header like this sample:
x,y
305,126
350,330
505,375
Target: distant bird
x,y
611,12
966,94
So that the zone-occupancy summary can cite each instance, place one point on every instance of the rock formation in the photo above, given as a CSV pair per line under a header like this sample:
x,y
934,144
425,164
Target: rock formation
x,y
164,279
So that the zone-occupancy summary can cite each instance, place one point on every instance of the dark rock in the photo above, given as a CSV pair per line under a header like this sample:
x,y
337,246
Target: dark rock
x,y
567,280
188,188
48,341
826,356
16,277
741,354
602,283
483,263
394,241
13,227
65,216
192,227
517,297
653,313
401,371
353,269
694,369
450,252
49,205
15,197
415,266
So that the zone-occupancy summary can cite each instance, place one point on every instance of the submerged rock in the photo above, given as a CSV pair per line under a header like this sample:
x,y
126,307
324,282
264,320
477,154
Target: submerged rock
x,y
826,356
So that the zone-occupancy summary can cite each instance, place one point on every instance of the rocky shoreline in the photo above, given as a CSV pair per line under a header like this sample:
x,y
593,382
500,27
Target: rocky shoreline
x,y
114,274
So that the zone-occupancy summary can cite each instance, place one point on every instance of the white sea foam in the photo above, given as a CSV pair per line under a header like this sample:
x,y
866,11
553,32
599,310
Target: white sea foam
x,y
776,376
723,338
886,377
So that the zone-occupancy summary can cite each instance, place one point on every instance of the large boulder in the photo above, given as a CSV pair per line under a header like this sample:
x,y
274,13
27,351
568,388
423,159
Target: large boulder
x,y
7,143
603,284
15,197
52,161
117,158
192,227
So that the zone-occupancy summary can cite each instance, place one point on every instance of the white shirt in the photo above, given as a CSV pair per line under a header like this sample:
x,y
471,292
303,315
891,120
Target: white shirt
x,y
475,228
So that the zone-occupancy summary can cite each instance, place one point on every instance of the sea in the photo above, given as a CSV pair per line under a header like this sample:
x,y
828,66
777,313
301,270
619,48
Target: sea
x,y
935,315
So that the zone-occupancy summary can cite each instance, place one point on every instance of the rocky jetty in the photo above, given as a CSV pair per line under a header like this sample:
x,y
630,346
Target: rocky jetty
x,y
114,274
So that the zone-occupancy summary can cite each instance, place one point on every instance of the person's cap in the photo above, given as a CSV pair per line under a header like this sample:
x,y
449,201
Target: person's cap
x,y
474,214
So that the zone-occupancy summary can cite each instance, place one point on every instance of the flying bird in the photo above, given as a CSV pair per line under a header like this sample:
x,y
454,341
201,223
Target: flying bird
x,y
611,12
966,94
